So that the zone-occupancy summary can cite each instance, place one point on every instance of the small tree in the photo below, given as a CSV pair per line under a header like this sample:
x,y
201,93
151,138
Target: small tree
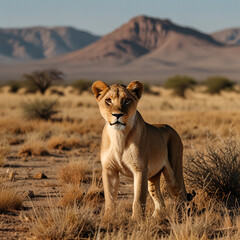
x,y
44,79
180,84
217,83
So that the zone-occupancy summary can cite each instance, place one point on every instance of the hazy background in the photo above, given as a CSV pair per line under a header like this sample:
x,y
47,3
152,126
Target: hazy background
x,y
103,16
106,39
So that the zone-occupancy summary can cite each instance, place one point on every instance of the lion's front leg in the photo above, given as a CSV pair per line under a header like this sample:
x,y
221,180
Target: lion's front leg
x,y
110,185
140,193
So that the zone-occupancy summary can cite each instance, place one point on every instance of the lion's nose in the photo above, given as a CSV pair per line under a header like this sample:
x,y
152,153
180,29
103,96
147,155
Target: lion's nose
x,y
117,115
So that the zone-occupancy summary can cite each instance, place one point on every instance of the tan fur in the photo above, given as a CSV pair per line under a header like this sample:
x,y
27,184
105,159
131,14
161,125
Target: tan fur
x,y
136,149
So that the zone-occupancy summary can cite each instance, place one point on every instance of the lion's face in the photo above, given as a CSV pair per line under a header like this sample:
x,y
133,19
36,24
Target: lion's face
x,y
118,103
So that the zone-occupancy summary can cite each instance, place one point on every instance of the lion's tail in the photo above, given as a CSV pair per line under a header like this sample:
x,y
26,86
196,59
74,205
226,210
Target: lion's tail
x,y
175,156
175,152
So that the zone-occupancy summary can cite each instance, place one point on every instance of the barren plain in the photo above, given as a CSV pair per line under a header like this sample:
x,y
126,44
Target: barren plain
x,y
52,170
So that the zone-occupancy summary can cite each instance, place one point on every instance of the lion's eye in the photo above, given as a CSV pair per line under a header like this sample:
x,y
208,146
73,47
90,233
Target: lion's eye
x,y
108,101
127,101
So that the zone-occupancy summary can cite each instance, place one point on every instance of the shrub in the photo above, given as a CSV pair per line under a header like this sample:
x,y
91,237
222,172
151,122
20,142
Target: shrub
x,y
148,90
217,171
180,84
43,79
15,86
82,85
40,109
217,83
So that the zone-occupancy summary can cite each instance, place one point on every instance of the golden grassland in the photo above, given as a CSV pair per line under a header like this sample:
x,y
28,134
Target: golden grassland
x,y
69,204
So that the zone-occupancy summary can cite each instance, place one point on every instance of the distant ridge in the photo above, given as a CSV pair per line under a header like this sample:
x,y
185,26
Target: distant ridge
x,y
230,36
40,42
144,48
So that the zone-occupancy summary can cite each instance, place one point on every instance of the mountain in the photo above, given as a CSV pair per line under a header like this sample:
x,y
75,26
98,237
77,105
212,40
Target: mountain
x,y
140,36
40,42
144,48
229,36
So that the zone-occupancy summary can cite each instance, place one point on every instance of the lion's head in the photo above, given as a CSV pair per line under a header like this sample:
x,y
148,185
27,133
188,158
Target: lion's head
x,y
118,103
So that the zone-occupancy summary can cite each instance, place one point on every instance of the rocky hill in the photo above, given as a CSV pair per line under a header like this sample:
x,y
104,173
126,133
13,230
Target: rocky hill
x,y
140,36
229,36
39,42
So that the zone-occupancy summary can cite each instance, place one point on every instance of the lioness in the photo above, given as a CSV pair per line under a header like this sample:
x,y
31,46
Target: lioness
x,y
137,149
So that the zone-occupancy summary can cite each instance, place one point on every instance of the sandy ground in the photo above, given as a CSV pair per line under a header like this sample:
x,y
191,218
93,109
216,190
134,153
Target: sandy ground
x,y
192,117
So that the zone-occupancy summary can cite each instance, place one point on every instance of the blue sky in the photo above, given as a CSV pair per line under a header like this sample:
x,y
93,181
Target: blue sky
x,y
103,16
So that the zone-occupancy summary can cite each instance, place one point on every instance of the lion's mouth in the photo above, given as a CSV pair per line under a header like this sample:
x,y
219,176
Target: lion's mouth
x,y
117,122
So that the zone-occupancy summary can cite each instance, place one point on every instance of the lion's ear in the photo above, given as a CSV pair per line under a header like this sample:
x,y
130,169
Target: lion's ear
x,y
136,88
99,89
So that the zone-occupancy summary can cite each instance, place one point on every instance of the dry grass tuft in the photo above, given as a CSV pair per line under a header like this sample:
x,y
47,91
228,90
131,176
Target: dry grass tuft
x,y
16,126
68,223
75,172
4,151
94,125
214,223
15,141
62,143
217,171
73,196
33,149
94,195
10,199
76,195
75,222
